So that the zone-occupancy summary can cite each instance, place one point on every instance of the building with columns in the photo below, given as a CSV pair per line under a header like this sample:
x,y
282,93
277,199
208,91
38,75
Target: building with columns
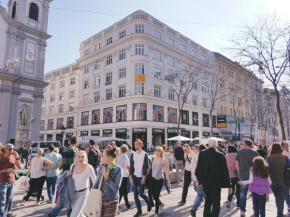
x,y
23,34
118,85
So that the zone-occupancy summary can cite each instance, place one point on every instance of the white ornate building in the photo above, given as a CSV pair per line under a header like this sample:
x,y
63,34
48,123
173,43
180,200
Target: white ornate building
x,y
23,35
116,87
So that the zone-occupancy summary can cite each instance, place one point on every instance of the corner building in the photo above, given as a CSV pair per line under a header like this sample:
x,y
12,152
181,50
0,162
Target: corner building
x,y
117,87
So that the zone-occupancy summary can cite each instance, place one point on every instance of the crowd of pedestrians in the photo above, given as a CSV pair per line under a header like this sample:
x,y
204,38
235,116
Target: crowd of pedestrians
x,y
117,171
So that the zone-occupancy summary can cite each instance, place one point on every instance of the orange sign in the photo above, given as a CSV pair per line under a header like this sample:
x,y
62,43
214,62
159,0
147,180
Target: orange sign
x,y
222,125
140,78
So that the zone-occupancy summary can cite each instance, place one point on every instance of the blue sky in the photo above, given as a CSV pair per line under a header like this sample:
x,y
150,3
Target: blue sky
x,y
69,29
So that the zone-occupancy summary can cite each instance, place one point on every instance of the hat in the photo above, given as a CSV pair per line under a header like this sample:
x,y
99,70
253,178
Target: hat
x,y
9,145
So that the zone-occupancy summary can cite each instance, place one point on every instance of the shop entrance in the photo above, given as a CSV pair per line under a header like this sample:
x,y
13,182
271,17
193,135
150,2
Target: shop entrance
x,y
139,133
158,137
121,134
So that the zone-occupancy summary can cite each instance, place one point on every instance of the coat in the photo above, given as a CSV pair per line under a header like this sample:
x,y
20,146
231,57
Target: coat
x,y
212,169
66,191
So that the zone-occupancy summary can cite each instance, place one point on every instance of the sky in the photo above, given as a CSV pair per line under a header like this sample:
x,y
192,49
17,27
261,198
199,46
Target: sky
x,y
209,23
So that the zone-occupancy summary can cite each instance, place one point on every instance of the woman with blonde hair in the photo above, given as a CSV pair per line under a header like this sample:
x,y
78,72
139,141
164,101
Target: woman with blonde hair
x,y
81,172
37,176
159,167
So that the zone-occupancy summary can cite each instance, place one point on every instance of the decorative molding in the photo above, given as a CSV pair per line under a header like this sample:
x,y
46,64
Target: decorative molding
x,y
6,90
38,96
24,99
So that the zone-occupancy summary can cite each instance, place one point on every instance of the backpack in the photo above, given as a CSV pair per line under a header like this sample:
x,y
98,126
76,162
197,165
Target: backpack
x,y
93,157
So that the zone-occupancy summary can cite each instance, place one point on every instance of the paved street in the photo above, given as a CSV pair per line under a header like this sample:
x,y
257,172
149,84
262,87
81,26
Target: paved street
x,y
171,209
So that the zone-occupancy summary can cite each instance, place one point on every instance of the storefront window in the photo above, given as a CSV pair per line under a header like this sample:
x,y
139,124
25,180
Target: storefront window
x,y
172,115
96,115
59,123
158,113
139,111
85,118
184,117
121,113
108,115
70,122
50,124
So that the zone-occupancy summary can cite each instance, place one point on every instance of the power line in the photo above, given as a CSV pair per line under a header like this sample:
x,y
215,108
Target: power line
x,y
121,15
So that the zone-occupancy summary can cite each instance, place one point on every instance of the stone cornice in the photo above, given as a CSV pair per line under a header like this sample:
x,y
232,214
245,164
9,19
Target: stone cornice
x,y
21,26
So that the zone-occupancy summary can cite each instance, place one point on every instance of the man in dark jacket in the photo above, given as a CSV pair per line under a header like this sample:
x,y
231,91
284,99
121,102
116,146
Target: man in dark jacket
x,y
212,174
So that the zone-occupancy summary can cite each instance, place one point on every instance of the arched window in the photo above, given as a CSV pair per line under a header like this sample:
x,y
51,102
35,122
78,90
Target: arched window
x,y
33,11
13,10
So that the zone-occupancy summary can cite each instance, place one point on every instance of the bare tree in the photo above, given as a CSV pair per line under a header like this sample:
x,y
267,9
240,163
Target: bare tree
x,y
266,43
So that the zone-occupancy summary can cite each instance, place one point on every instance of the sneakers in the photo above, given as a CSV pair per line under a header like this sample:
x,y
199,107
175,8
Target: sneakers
x,y
129,207
193,212
23,203
228,204
161,207
181,203
49,202
243,214
38,203
137,214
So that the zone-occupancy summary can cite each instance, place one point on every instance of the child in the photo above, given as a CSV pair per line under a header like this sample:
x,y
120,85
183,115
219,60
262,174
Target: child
x,y
259,185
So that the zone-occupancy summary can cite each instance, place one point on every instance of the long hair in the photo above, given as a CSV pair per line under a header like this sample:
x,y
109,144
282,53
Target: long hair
x,y
82,153
276,148
260,167
161,151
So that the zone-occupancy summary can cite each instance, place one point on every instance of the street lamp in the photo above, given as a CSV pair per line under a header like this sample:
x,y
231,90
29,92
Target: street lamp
x,y
62,129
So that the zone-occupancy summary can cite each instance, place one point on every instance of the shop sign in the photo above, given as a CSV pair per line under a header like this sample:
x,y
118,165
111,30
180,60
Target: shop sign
x,y
222,121
108,131
139,78
95,132
139,130
123,130
84,133
206,134
158,131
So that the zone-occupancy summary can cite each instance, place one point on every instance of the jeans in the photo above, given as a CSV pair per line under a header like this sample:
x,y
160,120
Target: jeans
x,y
78,203
57,210
138,189
259,204
187,181
50,184
165,183
236,188
280,192
156,189
243,197
6,197
35,184
199,197
124,192
178,165
212,203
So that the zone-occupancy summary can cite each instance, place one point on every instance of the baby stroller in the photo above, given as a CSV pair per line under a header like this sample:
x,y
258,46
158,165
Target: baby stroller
x,y
34,193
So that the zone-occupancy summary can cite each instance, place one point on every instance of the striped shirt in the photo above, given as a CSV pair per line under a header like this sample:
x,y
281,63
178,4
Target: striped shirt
x,y
68,158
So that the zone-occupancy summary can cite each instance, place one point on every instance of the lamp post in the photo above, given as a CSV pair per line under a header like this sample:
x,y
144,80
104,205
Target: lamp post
x,y
62,130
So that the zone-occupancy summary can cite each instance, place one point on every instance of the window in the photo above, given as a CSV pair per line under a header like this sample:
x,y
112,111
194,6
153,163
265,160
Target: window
x,y
71,107
157,34
171,41
183,48
171,94
52,98
51,109
72,94
109,59
203,89
122,91
52,86
72,81
157,91
202,58
86,99
122,73
139,88
98,46
87,51
195,86
13,10
108,94
204,102
97,82
122,54
182,66
194,100
109,78
44,89
62,84
182,98
170,60
43,100
157,54
193,53
56,74
33,11
60,108
61,96
97,97
86,84
87,68
139,49
42,111
109,40
157,73
97,64
122,34
139,28
139,69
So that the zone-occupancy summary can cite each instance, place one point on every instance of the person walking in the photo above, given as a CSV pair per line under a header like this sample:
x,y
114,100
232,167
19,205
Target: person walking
x,y
244,161
123,162
25,156
168,160
188,157
231,162
109,178
277,163
286,152
259,182
37,176
93,155
9,161
81,173
179,161
53,172
200,193
212,174
139,168
261,152
130,151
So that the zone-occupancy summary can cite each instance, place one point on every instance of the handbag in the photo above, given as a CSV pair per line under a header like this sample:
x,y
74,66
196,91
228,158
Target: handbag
x,y
93,207
287,173
24,183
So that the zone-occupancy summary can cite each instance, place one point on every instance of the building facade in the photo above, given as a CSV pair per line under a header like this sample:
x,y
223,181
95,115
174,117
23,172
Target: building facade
x,y
23,33
120,85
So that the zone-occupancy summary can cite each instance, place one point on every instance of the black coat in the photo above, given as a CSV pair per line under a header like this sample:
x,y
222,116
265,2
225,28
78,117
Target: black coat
x,y
212,169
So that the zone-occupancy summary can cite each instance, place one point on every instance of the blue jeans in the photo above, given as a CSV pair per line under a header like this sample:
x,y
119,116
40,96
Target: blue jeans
x,y
6,198
165,183
280,192
138,189
259,204
57,210
199,197
50,183
243,197
288,200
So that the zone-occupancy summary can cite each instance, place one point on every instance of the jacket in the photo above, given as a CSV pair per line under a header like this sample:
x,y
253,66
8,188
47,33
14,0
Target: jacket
x,y
145,167
277,164
66,191
212,169
112,184
259,185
